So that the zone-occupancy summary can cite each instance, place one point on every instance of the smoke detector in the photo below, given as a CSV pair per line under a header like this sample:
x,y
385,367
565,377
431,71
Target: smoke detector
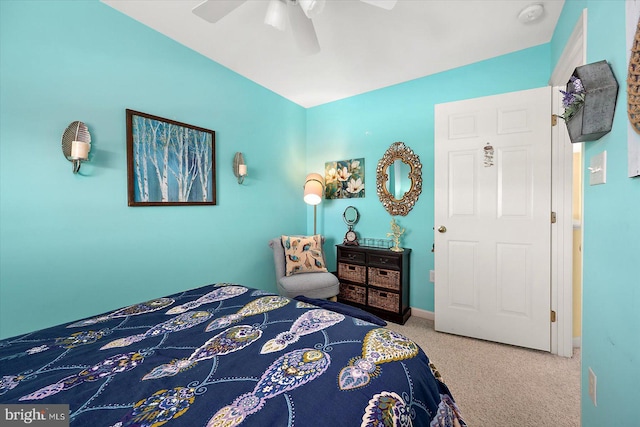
x,y
531,13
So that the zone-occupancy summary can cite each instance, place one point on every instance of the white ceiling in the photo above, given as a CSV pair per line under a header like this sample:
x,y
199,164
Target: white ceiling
x,y
363,47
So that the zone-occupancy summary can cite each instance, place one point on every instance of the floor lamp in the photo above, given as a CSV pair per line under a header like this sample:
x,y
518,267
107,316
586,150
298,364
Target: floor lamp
x,y
313,189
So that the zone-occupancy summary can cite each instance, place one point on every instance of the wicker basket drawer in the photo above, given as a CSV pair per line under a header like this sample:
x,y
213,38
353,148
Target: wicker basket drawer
x,y
388,279
353,293
352,273
389,301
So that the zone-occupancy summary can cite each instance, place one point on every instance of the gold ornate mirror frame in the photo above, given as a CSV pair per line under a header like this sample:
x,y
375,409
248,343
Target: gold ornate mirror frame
x,y
633,83
399,151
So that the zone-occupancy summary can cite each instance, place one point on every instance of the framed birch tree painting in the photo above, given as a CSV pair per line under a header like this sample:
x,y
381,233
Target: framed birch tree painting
x,y
169,163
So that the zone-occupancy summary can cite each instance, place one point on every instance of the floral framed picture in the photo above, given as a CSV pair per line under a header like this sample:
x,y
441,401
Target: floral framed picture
x,y
169,163
344,179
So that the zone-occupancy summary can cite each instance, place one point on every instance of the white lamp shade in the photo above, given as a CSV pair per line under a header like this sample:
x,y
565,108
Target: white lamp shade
x,y
242,170
313,188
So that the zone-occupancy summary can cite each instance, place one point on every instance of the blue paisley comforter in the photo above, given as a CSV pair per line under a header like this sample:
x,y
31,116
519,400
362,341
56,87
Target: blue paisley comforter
x,y
226,355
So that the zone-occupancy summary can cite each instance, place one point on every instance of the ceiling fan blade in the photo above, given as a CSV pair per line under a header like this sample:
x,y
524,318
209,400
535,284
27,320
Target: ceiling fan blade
x,y
214,10
303,30
385,4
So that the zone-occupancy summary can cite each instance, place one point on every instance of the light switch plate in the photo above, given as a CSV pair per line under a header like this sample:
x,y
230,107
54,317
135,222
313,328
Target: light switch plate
x,y
598,169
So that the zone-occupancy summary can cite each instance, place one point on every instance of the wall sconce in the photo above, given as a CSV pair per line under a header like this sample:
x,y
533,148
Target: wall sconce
x,y
76,144
239,167
313,189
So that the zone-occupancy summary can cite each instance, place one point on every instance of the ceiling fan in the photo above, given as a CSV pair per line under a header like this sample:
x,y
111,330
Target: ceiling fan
x,y
299,13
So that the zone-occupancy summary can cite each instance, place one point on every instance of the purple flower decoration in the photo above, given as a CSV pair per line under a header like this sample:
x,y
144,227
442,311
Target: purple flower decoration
x,y
573,98
577,84
568,98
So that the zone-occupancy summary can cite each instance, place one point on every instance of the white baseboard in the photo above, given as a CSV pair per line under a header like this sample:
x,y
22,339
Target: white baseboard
x,y
424,314
577,342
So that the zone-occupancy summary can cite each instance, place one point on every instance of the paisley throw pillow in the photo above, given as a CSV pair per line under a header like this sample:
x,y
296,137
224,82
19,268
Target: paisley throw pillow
x,y
303,254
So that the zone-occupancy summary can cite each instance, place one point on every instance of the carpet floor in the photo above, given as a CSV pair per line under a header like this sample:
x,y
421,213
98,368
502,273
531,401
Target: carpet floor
x,y
500,385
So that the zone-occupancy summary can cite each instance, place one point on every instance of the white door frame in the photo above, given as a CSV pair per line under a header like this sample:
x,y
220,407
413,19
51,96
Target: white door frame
x,y
573,55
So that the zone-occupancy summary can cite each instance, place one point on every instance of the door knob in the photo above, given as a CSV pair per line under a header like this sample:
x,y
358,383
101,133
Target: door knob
x,y
442,229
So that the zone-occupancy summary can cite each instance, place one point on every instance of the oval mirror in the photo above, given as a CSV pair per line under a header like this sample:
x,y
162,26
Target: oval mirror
x,y
351,216
399,182
399,179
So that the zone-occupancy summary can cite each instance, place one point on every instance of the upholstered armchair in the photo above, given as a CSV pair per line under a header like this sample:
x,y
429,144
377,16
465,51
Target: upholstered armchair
x,y
316,284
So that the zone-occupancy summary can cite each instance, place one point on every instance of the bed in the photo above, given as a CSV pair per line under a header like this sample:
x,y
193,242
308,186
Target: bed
x,y
225,355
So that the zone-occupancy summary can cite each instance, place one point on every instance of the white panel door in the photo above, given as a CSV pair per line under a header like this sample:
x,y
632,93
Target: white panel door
x,y
492,218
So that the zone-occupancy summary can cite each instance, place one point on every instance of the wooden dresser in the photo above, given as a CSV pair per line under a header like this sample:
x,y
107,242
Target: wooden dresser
x,y
376,280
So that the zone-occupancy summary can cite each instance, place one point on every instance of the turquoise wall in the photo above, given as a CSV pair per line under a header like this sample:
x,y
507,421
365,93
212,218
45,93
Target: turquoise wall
x,y
365,126
611,247
70,247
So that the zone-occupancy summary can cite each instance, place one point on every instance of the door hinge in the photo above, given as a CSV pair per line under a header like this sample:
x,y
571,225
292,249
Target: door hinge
x,y
553,218
553,316
554,119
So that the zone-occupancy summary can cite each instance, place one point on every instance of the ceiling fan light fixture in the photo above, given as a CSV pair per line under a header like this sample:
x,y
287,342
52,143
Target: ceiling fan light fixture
x,y
531,13
312,8
304,32
276,14
384,4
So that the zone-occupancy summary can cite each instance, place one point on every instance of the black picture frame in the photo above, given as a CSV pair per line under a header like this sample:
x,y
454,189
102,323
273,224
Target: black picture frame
x,y
169,163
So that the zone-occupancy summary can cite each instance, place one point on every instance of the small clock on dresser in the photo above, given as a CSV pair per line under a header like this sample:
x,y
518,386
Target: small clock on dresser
x,y
351,238
351,217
